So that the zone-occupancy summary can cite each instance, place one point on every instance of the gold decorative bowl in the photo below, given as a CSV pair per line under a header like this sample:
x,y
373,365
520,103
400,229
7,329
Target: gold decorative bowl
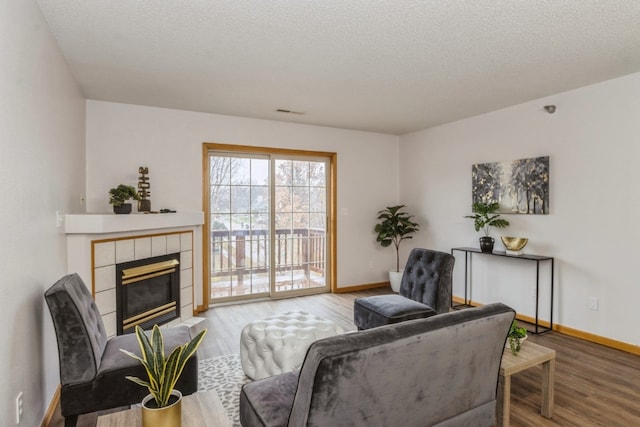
x,y
514,243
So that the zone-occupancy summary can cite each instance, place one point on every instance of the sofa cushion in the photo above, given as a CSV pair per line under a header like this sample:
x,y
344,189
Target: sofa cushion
x,y
267,402
371,312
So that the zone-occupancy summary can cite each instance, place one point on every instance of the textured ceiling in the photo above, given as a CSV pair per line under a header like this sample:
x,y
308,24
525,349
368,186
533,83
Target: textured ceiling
x,y
386,66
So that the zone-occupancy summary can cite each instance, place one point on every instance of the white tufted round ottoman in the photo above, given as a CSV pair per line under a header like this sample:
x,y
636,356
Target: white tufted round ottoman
x,y
279,343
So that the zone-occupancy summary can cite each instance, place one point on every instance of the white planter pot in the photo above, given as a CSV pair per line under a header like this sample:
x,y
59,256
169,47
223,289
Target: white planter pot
x,y
395,277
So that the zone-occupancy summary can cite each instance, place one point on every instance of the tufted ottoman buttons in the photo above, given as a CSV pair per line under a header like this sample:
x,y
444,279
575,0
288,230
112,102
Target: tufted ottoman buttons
x,y
279,343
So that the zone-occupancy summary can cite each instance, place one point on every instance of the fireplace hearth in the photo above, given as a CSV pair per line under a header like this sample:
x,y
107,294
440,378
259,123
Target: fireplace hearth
x,y
147,292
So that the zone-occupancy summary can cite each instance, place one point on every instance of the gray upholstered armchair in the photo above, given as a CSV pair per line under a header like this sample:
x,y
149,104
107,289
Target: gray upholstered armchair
x,y
425,290
92,367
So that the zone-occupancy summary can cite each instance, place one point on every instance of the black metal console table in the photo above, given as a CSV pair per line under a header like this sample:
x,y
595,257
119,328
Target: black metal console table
x,y
468,253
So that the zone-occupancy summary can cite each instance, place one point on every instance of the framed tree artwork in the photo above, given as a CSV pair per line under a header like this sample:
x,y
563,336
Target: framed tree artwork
x,y
520,186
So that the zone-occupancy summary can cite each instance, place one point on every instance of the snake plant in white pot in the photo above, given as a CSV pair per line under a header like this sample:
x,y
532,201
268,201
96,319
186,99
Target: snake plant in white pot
x,y
163,406
394,227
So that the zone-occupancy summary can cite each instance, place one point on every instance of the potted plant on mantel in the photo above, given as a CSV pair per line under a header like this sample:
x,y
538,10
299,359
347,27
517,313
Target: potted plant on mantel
x,y
163,406
394,228
119,195
484,219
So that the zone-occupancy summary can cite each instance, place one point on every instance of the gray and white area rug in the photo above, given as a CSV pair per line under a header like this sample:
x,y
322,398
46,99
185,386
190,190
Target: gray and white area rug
x,y
224,375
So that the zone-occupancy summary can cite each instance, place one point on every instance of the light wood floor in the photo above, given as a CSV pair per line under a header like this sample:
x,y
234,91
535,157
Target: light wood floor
x,y
594,385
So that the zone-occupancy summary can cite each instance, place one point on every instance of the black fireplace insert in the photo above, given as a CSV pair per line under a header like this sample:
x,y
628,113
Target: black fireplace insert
x,y
147,292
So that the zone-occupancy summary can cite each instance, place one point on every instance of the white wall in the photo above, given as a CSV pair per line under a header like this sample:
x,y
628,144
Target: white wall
x,y
593,141
42,170
121,137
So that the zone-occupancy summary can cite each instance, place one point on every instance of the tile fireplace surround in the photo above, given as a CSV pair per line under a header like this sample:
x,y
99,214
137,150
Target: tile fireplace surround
x,y
97,242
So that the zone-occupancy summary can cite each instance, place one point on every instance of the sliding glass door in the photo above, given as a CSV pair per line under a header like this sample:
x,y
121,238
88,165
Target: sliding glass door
x,y
300,224
239,225
267,224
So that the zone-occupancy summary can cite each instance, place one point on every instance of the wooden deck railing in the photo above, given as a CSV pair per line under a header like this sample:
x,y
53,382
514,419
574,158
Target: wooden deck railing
x,y
239,252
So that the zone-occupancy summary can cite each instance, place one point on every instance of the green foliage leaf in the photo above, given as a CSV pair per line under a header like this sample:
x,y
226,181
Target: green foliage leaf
x,y
483,218
516,333
169,377
157,344
122,193
190,349
139,381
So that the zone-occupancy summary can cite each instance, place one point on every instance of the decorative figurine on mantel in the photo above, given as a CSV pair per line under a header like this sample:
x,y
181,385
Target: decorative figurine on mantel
x,y
144,204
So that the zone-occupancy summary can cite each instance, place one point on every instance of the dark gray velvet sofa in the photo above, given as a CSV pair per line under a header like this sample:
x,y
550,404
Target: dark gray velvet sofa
x,y
92,367
437,371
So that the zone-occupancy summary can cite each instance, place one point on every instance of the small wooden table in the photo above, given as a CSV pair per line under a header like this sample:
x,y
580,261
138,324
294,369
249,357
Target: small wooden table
x,y
200,409
530,355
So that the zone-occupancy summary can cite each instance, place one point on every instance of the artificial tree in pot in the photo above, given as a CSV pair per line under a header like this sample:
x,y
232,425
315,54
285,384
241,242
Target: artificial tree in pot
x,y
163,406
394,227
484,218
119,195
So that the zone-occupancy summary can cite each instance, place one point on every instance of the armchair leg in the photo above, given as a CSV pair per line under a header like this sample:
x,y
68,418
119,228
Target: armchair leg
x,y
70,421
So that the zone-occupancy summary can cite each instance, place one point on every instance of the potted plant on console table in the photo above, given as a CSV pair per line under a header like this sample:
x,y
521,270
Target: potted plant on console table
x,y
119,195
394,228
484,218
163,406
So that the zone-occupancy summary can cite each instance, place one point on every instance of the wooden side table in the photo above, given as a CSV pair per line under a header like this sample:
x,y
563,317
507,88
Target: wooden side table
x,y
530,355
200,409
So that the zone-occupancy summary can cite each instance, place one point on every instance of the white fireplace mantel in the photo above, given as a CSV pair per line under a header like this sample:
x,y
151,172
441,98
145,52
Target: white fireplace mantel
x,y
97,242
111,223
